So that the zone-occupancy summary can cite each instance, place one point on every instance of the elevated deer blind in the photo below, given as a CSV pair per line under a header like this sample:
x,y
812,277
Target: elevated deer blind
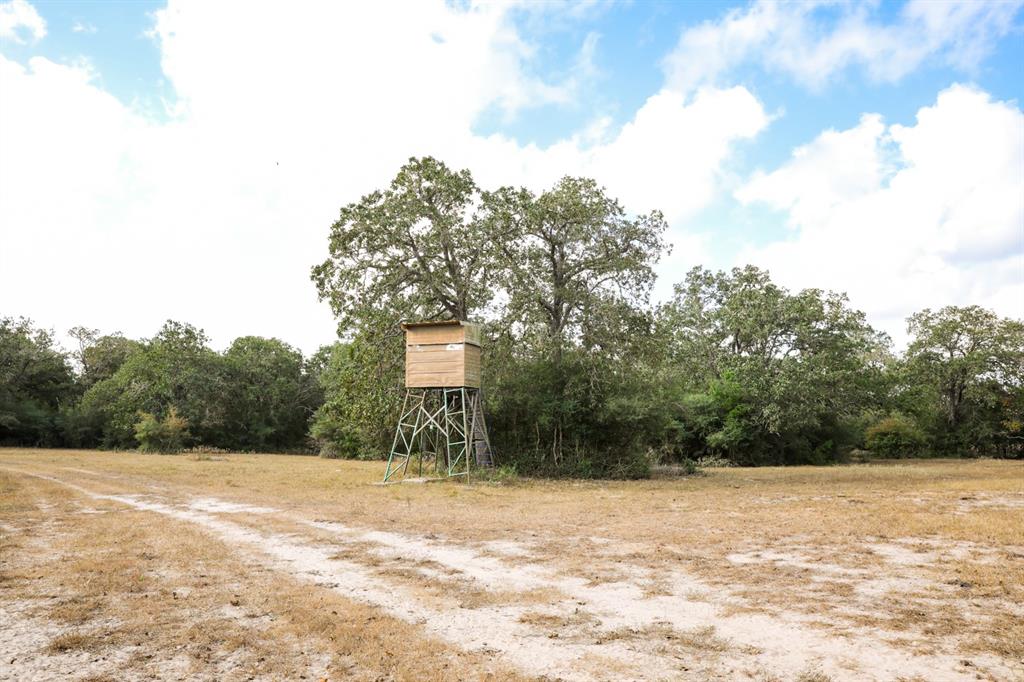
x,y
441,427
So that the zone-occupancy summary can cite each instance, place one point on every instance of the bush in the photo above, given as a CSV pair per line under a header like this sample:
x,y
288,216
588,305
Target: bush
x,y
206,453
581,416
207,450
361,383
505,474
714,462
895,436
164,436
334,438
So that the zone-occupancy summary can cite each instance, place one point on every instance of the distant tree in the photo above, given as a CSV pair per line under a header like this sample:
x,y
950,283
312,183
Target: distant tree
x,y
973,360
85,336
269,397
416,250
775,377
361,381
99,356
36,381
174,368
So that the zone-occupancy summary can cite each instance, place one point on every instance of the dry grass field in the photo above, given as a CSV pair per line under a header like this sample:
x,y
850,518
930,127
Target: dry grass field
x,y
120,566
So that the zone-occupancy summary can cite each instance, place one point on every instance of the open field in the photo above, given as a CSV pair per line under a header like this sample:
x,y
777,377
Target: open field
x,y
125,566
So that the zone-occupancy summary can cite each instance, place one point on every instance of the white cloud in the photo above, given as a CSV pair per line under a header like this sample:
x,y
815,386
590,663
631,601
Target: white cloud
x,y
836,168
19,14
669,156
82,27
906,217
814,41
111,219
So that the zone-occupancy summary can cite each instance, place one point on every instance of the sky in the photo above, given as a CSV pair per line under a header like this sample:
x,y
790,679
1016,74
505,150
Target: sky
x,y
185,160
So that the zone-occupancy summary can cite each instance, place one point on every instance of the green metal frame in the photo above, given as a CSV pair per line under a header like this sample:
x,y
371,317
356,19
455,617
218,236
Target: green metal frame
x,y
446,427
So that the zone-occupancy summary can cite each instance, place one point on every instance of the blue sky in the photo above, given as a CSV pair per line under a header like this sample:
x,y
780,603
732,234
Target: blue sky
x,y
635,37
241,128
632,40
113,37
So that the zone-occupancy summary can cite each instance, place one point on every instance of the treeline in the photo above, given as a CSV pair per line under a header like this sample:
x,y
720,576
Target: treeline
x,y
257,395
582,375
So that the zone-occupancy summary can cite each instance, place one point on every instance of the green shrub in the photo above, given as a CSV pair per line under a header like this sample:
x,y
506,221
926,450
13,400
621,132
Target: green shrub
x,y
713,462
165,435
580,415
334,438
207,450
505,474
895,436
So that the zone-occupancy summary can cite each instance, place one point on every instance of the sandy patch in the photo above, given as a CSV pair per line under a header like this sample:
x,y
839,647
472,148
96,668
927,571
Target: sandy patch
x,y
23,646
89,472
506,548
969,503
792,560
213,506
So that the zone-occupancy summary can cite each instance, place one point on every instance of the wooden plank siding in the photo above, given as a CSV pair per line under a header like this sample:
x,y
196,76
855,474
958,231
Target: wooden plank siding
x,y
442,354
432,335
440,365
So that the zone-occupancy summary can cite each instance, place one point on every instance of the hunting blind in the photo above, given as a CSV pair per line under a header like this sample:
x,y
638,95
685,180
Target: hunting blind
x,y
442,420
442,354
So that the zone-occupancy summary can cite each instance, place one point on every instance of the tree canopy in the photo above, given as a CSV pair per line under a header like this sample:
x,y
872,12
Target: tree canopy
x,y
568,252
416,248
973,362
36,380
770,376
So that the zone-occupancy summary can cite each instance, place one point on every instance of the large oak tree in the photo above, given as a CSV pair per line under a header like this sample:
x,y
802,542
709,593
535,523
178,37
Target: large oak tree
x,y
416,249
569,251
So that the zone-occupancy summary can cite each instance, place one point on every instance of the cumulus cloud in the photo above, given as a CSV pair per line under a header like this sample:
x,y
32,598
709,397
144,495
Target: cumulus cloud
x,y
906,217
670,156
216,214
838,167
18,17
814,41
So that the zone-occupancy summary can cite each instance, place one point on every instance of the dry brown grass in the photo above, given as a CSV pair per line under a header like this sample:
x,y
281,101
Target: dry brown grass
x,y
837,545
173,598
77,641
702,640
906,499
813,676
74,610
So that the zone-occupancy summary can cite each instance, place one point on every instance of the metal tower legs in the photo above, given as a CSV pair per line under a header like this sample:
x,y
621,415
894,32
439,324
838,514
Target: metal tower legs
x,y
442,428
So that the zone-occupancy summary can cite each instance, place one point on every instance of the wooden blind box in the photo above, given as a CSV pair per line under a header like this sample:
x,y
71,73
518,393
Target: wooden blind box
x,y
442,354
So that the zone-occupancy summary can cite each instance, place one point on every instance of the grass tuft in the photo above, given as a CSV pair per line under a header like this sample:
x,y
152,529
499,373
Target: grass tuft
x,y
75,641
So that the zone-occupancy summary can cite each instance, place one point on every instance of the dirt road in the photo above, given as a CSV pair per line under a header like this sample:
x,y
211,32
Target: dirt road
x,y
605,612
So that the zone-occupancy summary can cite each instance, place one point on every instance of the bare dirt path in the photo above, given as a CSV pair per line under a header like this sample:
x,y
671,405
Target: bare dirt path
x,y
546,623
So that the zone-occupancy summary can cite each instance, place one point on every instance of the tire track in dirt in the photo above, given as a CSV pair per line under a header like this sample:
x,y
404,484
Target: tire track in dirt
x,y
786,643
779,645
493,629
